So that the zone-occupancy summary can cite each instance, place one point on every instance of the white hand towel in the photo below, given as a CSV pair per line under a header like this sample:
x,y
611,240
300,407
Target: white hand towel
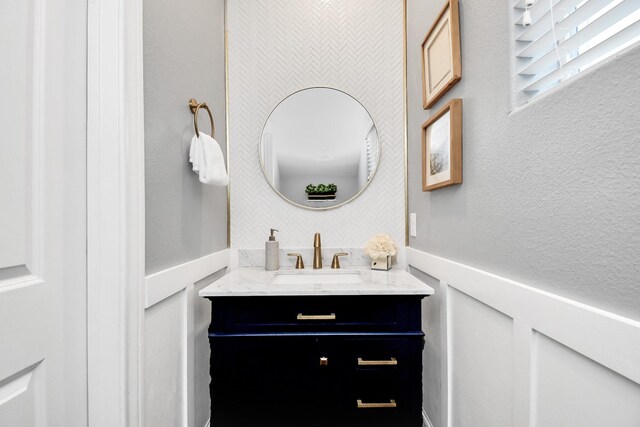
x,y
208,162
194,153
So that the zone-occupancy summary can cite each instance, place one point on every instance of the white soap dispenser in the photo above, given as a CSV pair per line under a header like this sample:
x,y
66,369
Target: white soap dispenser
x,y
272,253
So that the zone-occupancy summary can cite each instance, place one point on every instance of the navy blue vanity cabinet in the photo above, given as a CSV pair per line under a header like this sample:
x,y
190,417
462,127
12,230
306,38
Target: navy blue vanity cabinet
x,y
338,361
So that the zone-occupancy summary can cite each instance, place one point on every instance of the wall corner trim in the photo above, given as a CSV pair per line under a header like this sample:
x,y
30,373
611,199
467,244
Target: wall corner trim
x,y
607,338
115,212
163,284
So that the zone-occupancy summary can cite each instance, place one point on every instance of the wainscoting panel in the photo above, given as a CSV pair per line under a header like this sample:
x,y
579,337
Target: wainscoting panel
x,y
433,366
176,360
165,283
519,356
352,45
482,362
201,354
570,389
165,374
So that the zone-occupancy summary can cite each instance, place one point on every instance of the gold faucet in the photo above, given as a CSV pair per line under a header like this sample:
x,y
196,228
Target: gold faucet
x,y
317,252
336,259
299,261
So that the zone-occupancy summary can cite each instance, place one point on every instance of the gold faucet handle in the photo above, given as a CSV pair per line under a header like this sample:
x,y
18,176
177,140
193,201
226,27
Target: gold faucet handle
x,y
299,261
336,260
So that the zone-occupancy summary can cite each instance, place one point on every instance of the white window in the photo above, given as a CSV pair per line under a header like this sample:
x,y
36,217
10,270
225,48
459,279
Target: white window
x,y
566,37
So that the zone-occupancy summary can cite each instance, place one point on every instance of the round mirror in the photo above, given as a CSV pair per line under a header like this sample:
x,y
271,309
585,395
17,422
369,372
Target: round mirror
x,y
319,148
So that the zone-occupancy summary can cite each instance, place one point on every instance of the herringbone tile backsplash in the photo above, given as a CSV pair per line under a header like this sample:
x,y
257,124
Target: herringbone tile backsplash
x,y
277,47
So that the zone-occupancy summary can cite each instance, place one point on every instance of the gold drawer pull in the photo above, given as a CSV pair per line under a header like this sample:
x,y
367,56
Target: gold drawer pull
x,y
390,362
391,404
331,316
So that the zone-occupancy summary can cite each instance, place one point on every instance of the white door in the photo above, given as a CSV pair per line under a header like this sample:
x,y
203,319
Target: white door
x,y
43,327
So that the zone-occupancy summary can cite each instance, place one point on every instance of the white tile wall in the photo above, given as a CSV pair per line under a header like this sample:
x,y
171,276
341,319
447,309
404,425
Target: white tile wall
x,y
352,45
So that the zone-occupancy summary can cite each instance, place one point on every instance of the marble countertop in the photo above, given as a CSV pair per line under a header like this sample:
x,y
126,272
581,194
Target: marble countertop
x,y
254,281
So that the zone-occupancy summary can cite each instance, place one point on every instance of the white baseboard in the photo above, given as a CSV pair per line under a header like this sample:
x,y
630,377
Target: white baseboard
x,y
425,419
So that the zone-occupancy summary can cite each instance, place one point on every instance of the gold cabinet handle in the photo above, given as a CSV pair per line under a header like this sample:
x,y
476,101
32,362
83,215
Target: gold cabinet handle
x,y
391,362
390,404
331,316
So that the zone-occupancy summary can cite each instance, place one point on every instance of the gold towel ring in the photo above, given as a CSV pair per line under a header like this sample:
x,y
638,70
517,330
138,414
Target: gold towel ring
x,y
194,106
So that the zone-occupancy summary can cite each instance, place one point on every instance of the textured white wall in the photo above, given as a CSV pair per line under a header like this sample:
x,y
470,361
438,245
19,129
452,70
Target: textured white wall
x,y
551,192
183,58
185,220
279,47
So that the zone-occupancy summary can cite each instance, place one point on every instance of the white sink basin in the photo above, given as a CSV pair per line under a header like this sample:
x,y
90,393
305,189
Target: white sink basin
x,y
317,277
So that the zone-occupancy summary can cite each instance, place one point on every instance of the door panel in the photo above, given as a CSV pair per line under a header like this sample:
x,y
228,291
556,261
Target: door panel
x,y
293,389
16,33
20,398
43,375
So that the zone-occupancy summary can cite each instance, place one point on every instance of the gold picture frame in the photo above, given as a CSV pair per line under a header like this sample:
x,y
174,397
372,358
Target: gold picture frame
x,y
442,148
441,59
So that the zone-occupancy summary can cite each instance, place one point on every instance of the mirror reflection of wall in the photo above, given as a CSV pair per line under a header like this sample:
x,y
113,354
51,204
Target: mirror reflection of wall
x,y
319,136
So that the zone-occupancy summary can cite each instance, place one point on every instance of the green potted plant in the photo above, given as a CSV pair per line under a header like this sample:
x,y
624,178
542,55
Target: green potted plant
x,y
321,191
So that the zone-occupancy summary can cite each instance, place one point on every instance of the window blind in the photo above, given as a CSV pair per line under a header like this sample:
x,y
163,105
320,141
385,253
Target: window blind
x,y
568,36
372,151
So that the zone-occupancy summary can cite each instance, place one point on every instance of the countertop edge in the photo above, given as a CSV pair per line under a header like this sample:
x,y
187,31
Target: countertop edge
x,y
256,282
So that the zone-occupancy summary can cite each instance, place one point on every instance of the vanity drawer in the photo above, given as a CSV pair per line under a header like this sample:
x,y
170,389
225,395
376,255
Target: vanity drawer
x,y
367,353
282,378
384,403
385,380
377,414
315,314
385,368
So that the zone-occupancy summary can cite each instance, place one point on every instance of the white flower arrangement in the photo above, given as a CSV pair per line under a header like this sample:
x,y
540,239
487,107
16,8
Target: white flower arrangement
x,y
380,246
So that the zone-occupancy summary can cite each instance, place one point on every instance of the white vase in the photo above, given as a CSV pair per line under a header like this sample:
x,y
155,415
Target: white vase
x,y
383,264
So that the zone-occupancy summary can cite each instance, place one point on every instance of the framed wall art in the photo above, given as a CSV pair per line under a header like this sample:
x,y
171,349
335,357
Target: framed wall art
x,y
441,63
442,148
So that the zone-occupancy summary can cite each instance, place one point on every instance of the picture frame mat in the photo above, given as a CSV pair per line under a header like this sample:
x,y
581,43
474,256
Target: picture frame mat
x,y
437,49
450,14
